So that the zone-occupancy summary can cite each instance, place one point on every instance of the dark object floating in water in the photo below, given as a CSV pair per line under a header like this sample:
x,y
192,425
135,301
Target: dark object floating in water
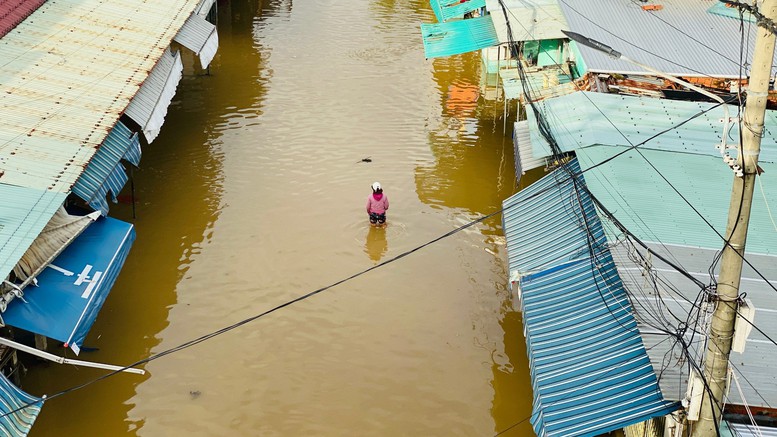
x,y
367,159
195,394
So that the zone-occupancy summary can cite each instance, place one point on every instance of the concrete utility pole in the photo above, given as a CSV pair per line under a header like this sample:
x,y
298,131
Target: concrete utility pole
x,y
722,329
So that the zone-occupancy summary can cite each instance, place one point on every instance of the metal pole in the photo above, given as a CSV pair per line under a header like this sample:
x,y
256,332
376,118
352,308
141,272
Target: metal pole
x,y
726,300
63,360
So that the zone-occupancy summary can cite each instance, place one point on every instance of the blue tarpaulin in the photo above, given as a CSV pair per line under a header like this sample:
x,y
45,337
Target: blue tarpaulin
x,y
455,37
72,289
18,423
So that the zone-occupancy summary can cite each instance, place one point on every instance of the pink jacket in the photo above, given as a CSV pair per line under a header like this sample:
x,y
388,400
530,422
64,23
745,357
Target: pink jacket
x,y
378,206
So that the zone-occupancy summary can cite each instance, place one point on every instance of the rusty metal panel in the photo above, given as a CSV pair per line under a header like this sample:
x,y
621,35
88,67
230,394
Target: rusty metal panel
x,y
68,73
13,12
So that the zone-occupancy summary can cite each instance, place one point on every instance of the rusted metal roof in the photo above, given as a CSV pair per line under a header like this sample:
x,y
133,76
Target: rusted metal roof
x,y
67,74
13,12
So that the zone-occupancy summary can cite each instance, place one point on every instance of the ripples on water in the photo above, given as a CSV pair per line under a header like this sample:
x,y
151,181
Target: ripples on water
x,y
254,194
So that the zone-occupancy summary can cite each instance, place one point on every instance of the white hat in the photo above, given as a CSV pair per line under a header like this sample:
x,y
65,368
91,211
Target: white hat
x,y
376,186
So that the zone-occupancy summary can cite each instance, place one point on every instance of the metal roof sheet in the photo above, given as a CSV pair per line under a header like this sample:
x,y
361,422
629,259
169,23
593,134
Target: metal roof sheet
x,y
24,212
590,372
682,38
756,379
13,12
149,106
68,72
17,423
529,19
584,118
105,171
447,10
524,159
199,36
455,37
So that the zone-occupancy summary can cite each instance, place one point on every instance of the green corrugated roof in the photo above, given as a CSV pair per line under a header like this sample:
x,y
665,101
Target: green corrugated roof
x,y
586,123
456,37
23,214
579,120
649,208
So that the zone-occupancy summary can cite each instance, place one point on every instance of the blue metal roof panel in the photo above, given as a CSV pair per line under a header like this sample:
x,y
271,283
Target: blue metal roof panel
x,y
18,423
455,37
24,212
589,369
681,39
447,10
105,171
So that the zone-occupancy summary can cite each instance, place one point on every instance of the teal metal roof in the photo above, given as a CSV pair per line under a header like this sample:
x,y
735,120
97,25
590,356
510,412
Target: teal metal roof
x,y
456,37
648,206
23,214
19,423
448,9
589,369
579,120
630,188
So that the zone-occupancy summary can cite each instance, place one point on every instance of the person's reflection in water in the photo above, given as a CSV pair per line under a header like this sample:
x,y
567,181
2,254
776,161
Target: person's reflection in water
x,y
376,245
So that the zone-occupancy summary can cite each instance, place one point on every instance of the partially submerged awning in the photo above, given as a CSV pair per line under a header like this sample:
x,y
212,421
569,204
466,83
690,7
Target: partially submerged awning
x,y
72,289
18,423
589,369
199,36
149,106
105,172
455,37
445,10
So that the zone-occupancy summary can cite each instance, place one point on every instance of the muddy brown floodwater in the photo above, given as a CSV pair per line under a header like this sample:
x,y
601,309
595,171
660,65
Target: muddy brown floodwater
x,y
254,194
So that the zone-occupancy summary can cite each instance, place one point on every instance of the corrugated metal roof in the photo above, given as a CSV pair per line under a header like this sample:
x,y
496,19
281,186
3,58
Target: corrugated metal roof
x,y
543,83
529,19
630,188
199,36
68,72
584,118
754,367
447,10
105,172
590,372
24,213
680,39
740,430
13,12
18,423
149,106
455,37
524,160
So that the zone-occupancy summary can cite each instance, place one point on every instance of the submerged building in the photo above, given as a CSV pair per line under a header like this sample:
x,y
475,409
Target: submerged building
x,y
83,87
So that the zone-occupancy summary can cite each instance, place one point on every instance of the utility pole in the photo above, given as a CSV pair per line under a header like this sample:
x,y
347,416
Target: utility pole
x,y
722,328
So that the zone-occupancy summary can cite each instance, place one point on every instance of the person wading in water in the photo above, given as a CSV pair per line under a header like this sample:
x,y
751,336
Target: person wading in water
x,y
377,204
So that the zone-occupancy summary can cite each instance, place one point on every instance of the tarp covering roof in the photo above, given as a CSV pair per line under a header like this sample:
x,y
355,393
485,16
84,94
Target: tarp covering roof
x,y
590,372
72,289
456,37
18,423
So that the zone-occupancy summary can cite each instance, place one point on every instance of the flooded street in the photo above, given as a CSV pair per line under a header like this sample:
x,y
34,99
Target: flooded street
x,y
254,195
